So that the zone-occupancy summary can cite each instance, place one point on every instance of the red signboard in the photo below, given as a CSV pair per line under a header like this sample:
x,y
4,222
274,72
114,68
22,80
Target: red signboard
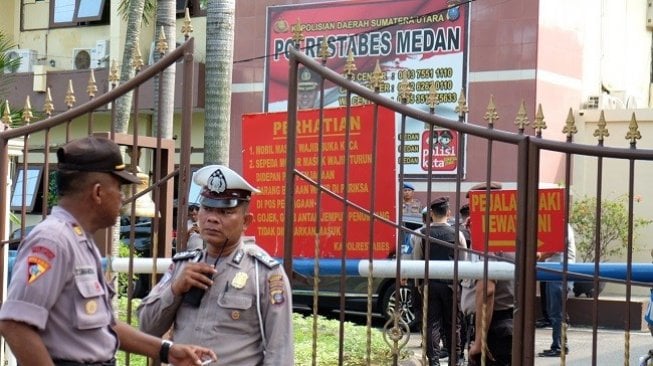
x,y
264,143
443,156
420,42
502,221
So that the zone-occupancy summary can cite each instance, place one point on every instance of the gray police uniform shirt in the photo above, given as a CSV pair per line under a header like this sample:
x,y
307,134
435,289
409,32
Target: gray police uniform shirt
x,y
504,291
227,320
57,286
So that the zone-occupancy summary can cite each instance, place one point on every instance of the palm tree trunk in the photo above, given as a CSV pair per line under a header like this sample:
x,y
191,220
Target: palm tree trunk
x,y
123,104
164,86
220,19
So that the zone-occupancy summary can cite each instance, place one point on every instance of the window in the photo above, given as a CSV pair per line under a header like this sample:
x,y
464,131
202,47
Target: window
x,y
64,13
195,8
31,191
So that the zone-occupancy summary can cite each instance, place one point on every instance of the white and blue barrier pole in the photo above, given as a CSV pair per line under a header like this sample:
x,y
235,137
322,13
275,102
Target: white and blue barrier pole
x,y
387,268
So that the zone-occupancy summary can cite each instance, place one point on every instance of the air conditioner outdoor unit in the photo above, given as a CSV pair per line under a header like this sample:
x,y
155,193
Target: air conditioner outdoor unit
x,y
100,54
593,102
604,101
82,58
27,60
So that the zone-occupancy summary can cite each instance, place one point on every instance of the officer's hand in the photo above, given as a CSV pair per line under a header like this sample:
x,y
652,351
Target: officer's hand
x,y
475,354
193,275
183,354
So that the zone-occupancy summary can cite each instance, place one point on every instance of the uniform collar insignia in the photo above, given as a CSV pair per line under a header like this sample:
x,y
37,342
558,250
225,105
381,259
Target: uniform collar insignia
x,y
78,230
238,257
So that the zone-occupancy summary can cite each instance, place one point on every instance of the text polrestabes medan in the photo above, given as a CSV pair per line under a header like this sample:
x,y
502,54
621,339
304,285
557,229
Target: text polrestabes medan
x,y
411,41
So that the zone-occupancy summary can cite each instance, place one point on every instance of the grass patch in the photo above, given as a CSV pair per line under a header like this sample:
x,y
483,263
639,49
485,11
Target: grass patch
x,y
355,345
121,356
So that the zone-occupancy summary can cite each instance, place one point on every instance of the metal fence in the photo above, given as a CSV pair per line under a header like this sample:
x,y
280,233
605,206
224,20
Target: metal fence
x,y
31,145
527,159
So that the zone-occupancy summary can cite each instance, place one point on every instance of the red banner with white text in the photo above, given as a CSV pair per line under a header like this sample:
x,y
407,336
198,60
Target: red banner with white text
x,y
265,147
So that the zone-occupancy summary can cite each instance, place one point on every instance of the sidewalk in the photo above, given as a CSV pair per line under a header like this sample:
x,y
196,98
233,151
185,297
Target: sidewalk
x,y
610,349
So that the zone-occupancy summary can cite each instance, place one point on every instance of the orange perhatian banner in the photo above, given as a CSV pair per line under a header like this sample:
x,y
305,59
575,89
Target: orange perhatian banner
x,y
265,146
502,221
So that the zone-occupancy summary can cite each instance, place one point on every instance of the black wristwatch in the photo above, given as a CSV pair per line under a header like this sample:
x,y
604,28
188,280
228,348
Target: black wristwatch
x,y
165,349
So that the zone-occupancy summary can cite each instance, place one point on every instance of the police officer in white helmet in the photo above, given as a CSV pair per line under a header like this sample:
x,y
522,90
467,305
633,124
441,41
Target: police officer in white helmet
x,y
232,296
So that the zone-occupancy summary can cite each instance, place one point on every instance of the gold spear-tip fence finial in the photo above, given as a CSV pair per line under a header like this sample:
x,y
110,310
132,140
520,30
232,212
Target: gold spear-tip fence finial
x,y
162,43
570,126
461,107
491,115
187,28
538,123
521,120
48,105
350,65
91,89
432,99
323,52
377,77
27,111
70,99
601,131
6,116
137,60
633,133
113,73
297,34
404,90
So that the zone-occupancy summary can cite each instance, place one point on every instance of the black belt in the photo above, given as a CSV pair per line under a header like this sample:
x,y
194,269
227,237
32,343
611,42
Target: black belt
x,y
498,315
75,363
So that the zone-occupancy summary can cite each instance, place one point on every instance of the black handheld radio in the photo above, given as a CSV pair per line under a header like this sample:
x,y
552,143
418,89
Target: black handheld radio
x,y
194,295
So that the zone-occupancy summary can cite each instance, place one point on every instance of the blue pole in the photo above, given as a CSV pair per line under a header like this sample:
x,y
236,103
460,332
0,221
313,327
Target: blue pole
x,y
640,272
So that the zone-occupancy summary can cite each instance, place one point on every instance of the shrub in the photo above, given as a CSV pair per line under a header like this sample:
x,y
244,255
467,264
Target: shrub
x,y
614,227
123,278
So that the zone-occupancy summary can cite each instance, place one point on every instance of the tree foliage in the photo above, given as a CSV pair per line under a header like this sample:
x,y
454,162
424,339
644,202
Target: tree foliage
x,y
614,227
5,78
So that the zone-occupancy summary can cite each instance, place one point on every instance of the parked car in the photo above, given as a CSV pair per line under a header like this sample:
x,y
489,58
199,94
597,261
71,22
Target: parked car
x,y
142,248
383,295
142,235
17,236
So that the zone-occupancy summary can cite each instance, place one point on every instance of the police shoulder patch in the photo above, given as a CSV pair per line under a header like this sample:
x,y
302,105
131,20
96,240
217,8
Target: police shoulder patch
x,y
264,258
186,255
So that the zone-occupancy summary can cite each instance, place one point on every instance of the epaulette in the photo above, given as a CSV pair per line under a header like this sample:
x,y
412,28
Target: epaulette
x,y
186,255
238,257
264,258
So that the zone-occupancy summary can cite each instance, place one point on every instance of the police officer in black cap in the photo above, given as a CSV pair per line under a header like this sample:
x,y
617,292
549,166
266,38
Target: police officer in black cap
x,y
440,298
58,310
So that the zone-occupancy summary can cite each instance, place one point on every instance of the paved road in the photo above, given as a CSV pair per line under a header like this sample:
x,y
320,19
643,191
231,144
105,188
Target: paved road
x,y
610,347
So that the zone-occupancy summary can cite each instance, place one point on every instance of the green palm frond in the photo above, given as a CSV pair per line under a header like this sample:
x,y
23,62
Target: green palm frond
x,y
149,10
6,62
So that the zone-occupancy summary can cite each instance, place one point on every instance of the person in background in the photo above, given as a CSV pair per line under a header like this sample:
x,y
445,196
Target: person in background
x,y
58,310
556,295
232,296
411,205
194,238
463,222
495,299
191,223
440,294
544,321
